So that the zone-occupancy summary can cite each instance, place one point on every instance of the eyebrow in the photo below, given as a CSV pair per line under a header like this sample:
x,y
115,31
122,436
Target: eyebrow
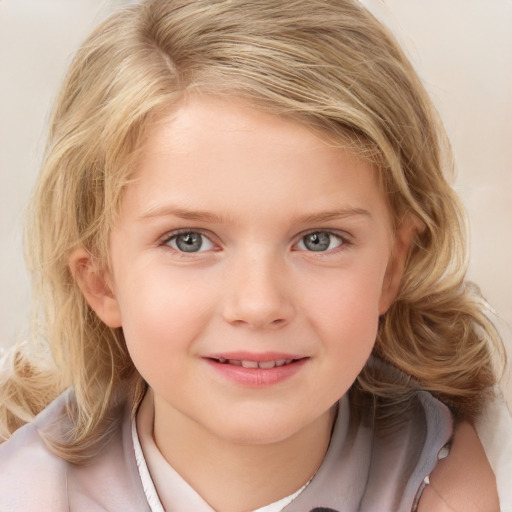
x,y
205,216
182,213
342,213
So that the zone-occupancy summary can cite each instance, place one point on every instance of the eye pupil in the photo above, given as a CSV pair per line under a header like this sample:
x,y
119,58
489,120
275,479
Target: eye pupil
x,y
189,242
317,241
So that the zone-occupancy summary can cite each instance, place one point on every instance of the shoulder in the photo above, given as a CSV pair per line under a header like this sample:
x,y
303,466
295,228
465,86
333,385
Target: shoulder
x,y
31,477
464,481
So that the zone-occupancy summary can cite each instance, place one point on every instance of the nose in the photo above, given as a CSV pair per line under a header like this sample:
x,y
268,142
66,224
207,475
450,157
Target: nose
x,y
258,294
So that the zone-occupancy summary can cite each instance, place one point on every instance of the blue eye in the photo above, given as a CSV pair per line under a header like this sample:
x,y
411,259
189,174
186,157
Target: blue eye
x,y
319,241
189,241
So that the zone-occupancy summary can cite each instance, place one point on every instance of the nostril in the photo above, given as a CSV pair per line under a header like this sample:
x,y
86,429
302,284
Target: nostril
x,y
259,323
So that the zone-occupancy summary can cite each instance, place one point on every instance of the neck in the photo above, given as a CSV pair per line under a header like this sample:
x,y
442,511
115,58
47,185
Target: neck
x,y
236,477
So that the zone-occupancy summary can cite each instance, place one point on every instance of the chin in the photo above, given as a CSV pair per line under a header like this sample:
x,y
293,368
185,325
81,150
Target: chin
x,y
260,429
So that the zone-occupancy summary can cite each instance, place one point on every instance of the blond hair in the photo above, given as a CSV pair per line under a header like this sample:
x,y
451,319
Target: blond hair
x,y
327,63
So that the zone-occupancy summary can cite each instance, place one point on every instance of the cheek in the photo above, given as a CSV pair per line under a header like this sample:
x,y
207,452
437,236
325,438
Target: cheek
x,y
161,317
158,296
347,326
349,322
346,311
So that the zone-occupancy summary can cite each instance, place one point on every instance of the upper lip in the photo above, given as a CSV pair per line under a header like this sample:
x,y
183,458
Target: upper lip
x,y
259,357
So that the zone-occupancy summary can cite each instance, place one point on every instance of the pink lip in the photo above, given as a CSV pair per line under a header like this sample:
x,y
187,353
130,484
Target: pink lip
x,y
256,377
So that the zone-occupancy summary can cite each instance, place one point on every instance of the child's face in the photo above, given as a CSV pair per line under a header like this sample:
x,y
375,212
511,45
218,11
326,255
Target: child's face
x,y
246,238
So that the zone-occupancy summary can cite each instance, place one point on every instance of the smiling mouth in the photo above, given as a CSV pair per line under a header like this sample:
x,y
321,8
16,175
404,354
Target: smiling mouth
x,y
256,370
264,365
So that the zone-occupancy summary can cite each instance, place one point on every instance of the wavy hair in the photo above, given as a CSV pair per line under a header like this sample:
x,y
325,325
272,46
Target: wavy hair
x,y
326,63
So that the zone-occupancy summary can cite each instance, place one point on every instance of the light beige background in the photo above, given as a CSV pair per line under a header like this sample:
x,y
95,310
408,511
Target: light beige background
x,y
461,48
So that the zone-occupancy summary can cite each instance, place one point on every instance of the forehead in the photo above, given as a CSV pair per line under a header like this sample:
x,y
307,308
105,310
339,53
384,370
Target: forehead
x,y
219,153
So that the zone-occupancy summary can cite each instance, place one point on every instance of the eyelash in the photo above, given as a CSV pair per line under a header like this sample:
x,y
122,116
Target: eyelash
x,y
164,242
343,238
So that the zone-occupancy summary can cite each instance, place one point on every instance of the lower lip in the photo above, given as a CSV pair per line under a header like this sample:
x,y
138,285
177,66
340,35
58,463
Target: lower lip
x,y
257,377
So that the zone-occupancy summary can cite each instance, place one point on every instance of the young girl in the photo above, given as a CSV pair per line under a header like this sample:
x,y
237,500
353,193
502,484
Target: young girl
x,y
250,271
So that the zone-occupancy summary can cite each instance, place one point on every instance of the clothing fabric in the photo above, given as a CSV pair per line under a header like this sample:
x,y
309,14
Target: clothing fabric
x,y
378,460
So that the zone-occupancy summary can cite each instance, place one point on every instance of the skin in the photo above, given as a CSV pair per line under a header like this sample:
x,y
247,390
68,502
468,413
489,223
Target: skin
x,y
464,481
252,187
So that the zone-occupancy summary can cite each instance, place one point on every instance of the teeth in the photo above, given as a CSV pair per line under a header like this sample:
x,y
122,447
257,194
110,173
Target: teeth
x,y
266,365
249,364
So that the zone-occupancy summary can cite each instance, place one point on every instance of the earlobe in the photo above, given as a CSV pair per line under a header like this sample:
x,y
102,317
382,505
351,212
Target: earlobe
x,y
93,281
404,238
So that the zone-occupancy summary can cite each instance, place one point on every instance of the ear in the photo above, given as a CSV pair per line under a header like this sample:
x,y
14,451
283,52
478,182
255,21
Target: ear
x,y
403,240
94,282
